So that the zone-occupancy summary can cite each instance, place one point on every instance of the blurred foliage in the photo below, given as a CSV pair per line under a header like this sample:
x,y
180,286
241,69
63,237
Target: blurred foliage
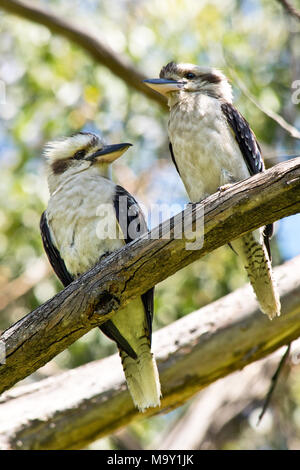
x,y
53,88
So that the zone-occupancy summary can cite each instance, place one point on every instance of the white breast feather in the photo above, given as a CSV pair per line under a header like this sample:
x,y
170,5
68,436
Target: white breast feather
x,y
80,214
203,146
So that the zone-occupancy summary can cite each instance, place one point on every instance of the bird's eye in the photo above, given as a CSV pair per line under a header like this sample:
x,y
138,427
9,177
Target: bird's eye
x,y
190,76
79,155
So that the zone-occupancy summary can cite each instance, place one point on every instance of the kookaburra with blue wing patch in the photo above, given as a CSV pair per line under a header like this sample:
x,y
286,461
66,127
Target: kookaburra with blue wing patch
x,y
89,216
212,145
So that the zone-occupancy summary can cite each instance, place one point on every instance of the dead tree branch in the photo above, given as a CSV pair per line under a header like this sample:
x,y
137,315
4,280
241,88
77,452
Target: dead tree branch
x,y
218,404
72,409
101,52
117,64
120,277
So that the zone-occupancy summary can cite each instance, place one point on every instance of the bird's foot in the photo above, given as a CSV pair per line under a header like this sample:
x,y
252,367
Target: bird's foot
x,y
223,188
226,181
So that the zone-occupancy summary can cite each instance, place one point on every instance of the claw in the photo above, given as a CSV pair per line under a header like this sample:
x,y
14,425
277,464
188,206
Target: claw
x,y
223,188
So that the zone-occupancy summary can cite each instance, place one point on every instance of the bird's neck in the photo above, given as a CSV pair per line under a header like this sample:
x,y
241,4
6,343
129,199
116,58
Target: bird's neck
x,y
102,170
56,182
184,99
174,98
187,98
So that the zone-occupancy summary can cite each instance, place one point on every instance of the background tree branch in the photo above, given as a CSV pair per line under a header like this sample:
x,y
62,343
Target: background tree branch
x,y
76,407
290,9
116,63
50,84
95,297
14,289
218,404
291,130
101,52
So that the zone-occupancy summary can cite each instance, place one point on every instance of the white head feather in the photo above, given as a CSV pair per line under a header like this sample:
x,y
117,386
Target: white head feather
x,y
206,80
67,146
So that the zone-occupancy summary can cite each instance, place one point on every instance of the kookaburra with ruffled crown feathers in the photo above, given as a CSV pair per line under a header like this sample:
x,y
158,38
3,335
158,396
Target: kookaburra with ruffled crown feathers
x,y
84,205
212,145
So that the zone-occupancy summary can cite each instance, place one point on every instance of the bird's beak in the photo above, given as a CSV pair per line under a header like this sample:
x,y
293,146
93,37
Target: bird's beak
x,y
109,153
163,86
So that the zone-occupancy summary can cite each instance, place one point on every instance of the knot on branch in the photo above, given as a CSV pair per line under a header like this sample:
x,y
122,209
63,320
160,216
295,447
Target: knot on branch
x,y
106,303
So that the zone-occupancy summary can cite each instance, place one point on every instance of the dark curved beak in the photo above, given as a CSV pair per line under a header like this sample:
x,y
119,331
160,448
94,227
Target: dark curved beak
x,y
109,153
163,86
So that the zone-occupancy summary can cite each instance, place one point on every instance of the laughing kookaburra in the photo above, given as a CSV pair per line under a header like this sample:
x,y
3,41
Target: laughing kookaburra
x,y
212,145
75,237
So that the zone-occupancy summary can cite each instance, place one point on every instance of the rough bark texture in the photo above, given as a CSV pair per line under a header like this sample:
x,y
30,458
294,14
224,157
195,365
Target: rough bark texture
x,y
95,297
74,408
219,404
101,52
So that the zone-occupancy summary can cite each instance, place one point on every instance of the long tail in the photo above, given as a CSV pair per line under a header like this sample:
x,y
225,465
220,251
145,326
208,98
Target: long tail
x,y
257,263
142,376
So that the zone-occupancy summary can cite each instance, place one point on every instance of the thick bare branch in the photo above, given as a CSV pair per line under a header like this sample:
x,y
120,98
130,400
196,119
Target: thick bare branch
x,y
101,52
219,403
95,297
74,408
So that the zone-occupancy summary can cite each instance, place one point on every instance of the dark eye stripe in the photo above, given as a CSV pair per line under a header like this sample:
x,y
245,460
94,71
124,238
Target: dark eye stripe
x,y
60,166
211,78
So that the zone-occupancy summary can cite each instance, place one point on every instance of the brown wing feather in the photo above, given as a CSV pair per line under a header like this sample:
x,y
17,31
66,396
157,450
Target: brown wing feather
x,y
129,212
250,150
52,253
65,277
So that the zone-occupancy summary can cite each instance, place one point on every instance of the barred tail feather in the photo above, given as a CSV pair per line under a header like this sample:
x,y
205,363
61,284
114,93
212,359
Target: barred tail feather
x,y
142,377
258,266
